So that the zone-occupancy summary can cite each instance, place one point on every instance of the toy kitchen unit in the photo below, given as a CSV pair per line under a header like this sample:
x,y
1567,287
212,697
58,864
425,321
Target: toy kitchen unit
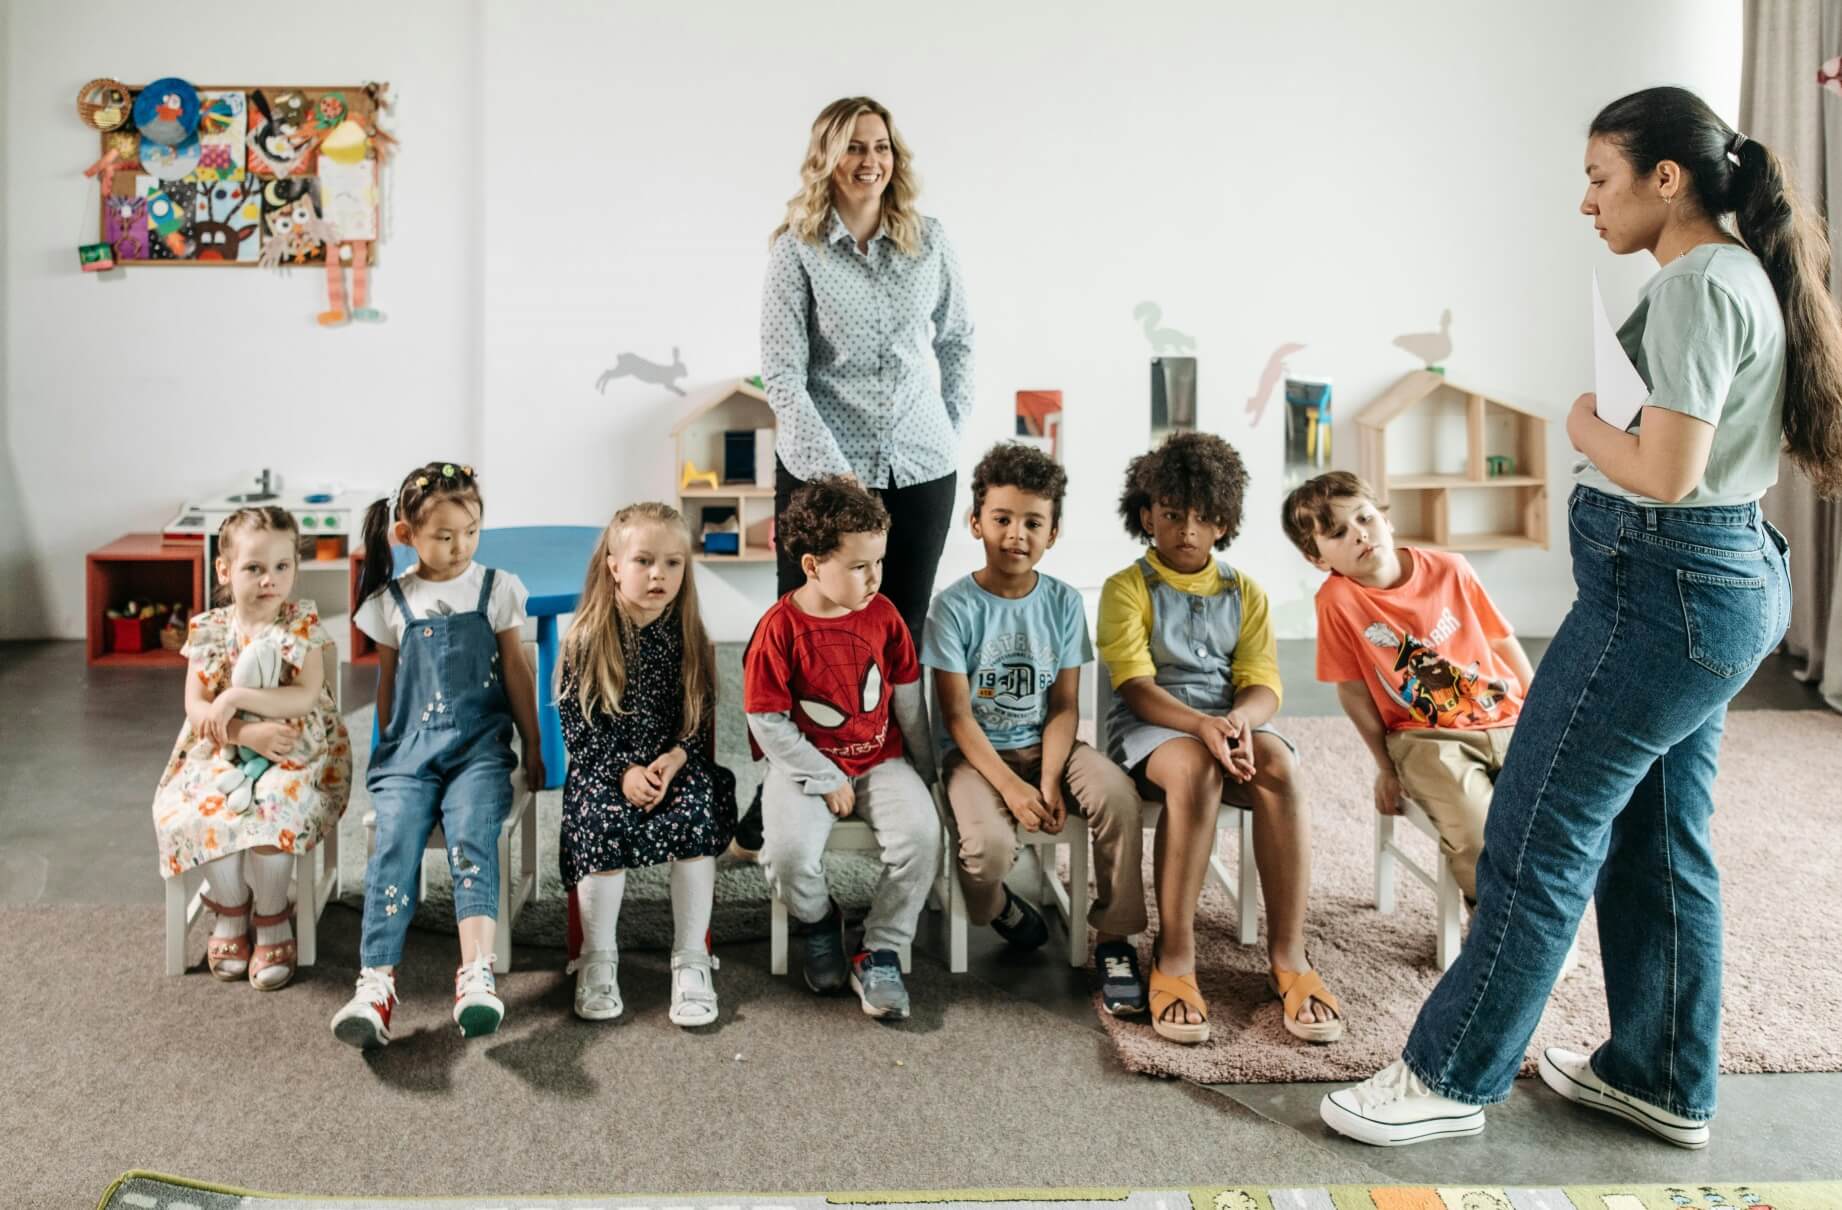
x,y
330,517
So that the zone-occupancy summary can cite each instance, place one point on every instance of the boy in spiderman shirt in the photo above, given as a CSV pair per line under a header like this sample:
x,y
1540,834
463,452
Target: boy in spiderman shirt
x,y
832,690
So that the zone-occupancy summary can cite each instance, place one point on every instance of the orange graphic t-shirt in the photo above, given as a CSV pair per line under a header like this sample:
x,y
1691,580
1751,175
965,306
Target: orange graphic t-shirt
x,y
1422,647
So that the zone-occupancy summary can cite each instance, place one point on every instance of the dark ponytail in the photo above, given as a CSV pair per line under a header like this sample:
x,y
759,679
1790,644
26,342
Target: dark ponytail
x,y
420,490
1730,174
379,562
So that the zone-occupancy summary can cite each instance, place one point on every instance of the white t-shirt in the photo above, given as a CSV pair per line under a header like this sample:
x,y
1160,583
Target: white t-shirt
x,y
383,621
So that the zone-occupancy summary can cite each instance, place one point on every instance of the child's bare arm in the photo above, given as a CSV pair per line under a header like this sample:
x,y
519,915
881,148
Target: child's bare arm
x,y
1354,697
386,683
1518,659
521,688
1059,727
954,693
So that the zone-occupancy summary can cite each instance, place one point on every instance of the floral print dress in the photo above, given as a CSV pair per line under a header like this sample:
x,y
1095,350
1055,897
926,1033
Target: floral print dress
x,y
601,830
297,800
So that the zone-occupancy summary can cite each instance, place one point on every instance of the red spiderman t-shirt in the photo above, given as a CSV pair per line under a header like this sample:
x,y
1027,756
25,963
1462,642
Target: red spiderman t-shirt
x,y
834,676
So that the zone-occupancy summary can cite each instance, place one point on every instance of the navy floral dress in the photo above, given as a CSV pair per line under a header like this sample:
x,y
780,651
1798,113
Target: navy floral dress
x,y
601,830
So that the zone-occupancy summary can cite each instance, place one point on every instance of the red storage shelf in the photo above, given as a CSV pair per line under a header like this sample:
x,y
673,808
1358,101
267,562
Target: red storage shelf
x,y
139,566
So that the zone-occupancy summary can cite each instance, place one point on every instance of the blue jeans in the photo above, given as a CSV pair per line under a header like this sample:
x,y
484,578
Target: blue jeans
x,y
1607,791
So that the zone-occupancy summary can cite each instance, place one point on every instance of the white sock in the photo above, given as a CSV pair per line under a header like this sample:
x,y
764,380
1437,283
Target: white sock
x,y
269,876
693,892
224,883
598,905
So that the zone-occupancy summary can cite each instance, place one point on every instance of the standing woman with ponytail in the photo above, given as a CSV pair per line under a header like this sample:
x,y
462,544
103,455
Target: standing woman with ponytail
x,y
1608,789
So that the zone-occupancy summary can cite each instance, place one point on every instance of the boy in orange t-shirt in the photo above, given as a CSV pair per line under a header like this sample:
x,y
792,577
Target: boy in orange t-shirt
x,y
1425,666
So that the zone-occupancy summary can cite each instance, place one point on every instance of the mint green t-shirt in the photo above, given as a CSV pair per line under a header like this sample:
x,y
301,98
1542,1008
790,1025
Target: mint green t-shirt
x,y
1707,338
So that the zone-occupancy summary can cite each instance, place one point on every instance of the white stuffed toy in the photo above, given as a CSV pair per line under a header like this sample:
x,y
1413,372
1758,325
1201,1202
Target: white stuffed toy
x,y
259,667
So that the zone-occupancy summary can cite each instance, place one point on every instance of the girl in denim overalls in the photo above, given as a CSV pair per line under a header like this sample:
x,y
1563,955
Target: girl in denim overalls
x,y
452,681
1607,790
1190,651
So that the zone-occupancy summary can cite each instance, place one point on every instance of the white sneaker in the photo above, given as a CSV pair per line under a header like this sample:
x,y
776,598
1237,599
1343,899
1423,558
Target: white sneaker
x,y
597,992
364,1022
1571,1074
477,1010
1392,1108
693,990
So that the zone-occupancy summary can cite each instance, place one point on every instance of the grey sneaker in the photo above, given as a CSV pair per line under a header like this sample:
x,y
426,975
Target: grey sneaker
x,y
826,966
876,977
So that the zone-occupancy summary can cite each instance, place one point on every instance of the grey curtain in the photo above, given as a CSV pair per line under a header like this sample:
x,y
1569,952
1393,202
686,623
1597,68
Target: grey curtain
x,y
1782,106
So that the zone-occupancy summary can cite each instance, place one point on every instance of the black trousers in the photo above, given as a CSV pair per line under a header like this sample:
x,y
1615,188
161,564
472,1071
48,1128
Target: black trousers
x,y
919,518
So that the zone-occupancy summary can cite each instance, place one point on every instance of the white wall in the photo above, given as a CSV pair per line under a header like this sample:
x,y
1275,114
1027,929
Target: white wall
x,y
1334,175
127,391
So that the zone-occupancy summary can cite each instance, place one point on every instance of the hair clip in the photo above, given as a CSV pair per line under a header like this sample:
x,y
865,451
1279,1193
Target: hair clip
x,y
447,470
422,480
467,471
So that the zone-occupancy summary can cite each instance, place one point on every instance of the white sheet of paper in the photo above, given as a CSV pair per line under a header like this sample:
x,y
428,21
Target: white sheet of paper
x,y
1619,390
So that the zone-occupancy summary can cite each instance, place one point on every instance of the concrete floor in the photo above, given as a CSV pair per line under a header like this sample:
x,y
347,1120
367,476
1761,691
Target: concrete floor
x,y
83,747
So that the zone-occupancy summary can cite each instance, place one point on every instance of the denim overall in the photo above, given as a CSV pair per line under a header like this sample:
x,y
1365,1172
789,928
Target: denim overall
x,y
445,757
1607,792
1192,642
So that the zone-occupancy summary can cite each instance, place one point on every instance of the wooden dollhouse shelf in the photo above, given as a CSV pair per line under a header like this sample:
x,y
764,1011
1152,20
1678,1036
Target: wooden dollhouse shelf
x,y
1409,439
699,439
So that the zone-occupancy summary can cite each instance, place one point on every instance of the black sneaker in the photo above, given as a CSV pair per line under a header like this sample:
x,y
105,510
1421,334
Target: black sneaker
x,y
827,966
1122,988
1020,924
748,827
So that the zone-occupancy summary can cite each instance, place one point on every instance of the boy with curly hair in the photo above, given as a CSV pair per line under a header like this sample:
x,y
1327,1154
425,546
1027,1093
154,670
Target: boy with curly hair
x,y
1006,644
828,666
1189,646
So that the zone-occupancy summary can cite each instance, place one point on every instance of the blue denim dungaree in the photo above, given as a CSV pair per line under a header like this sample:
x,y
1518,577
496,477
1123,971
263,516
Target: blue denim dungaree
x,y
444,757
1192,643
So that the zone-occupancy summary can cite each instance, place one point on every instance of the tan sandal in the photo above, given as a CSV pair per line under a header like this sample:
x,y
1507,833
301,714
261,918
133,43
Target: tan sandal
x,y
1295,989
279,953
219,950
1168,991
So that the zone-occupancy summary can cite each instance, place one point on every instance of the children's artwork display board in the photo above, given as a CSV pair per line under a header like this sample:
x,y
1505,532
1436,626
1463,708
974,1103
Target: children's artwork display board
x,y
260,170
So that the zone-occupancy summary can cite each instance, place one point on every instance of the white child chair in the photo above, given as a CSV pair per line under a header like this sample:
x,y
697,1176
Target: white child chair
x,y
1044,848
847,836
1243,887
316,878
1439,878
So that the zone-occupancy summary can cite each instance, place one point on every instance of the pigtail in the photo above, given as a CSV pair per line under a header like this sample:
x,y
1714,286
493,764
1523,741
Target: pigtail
x,y
379,562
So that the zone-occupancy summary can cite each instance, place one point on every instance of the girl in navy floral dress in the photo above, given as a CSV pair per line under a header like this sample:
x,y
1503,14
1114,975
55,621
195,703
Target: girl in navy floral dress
x,y
638,700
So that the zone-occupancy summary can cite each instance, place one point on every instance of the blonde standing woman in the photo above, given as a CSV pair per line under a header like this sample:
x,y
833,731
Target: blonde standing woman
x,y
864,299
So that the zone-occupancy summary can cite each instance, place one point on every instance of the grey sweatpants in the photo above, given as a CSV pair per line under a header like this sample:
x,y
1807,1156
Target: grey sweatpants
x,y
892,799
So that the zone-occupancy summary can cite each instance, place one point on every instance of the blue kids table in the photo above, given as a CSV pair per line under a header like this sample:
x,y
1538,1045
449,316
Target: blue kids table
x,y
551,560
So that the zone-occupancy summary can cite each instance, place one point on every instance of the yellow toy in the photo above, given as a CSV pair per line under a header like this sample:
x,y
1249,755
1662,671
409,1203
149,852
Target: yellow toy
x,y
691,477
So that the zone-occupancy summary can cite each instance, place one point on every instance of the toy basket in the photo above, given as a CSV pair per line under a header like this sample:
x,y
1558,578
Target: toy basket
x,y
104,104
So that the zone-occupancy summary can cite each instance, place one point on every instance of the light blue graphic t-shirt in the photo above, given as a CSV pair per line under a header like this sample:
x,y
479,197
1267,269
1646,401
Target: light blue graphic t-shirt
x,y
1010,652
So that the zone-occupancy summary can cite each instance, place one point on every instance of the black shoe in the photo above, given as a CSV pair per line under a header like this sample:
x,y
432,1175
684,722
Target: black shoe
x,y
1025,929
1122,988
748,827
828,967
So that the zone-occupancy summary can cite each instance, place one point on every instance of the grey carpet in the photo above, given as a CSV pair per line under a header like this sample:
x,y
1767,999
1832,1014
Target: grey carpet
x,y
125,1068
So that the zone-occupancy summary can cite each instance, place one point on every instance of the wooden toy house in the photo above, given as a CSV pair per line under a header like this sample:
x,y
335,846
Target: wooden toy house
x,y
1457,469
712,492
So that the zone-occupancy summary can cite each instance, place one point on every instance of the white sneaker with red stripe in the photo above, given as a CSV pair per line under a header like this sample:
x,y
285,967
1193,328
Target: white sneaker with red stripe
x,y
364,1022
477,1010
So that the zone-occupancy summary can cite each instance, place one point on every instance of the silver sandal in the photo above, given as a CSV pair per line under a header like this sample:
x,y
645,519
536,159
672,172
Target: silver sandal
x,y
693,989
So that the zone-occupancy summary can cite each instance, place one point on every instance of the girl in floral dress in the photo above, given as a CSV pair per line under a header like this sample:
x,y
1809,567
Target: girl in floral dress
x,y
248,855
638,700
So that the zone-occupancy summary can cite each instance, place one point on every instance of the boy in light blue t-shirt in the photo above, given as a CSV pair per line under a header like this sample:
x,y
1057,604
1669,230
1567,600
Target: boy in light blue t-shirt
x,y
1006,644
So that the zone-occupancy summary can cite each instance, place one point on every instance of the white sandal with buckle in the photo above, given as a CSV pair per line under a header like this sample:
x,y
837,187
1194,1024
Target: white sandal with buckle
x,y
693,990
597,993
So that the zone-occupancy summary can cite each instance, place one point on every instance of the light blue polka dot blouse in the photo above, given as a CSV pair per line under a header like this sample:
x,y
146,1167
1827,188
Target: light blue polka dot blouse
x,y
844,340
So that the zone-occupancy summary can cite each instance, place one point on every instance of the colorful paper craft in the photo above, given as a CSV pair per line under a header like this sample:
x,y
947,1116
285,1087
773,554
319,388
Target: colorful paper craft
x,y
124,222
170,163
223,125
166,111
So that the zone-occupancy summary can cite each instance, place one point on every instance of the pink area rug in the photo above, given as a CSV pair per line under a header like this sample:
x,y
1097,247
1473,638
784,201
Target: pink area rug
x,y
1777,830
